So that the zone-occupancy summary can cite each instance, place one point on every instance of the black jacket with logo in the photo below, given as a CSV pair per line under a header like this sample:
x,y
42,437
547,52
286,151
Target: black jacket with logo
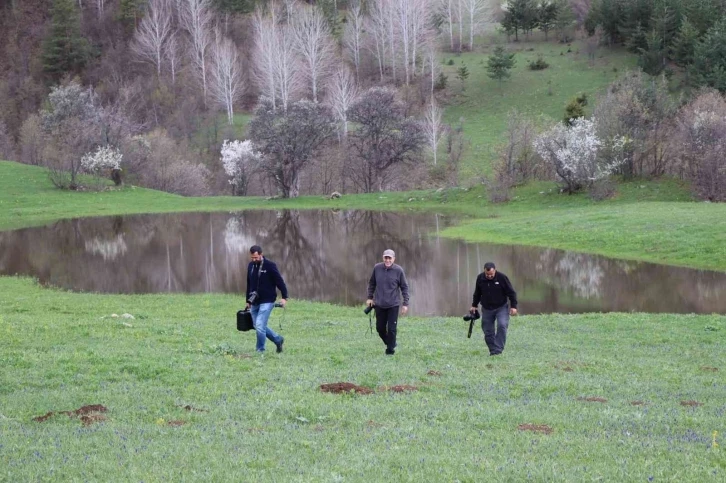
x,y
492,294
264,279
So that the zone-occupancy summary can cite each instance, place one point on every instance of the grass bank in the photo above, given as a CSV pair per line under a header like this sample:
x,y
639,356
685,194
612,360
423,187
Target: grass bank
x,y
613,397
649,221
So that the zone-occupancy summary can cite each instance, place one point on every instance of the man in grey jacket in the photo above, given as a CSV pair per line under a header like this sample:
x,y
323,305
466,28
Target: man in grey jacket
x,y
385,288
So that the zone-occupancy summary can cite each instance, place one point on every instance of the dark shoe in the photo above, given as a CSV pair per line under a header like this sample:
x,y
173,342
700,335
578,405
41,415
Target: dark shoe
x,y
279,346
495,354
390,352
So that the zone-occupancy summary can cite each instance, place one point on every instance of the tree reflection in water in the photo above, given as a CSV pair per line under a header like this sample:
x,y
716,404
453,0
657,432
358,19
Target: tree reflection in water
x,y
328,256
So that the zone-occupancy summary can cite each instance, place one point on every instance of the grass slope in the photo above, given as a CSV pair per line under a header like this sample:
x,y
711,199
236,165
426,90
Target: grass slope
x,y
265,419
484,104
651,221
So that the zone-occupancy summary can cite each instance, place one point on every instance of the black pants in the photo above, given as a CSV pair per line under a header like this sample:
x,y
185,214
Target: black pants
x,y
386,323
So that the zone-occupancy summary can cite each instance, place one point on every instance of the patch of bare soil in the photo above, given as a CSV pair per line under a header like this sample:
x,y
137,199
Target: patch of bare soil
x,y
192,408
593,399
709,369
243,356
398,388
691,403
87,414
89,419
536,428
433,373
344,387
564,367
637,403
177,422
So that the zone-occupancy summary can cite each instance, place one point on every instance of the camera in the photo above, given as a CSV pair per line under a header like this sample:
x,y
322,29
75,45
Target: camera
x,y
368,309
253,296
472,317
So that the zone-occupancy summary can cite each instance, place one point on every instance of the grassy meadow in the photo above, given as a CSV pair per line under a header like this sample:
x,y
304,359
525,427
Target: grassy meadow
x,y
598,397
484,104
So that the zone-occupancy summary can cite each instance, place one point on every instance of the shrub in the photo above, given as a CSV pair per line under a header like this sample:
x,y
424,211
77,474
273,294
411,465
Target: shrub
x,y
538,64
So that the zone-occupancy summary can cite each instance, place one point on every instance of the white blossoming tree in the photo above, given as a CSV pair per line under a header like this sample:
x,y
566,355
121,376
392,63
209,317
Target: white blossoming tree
x,y
106,160
239,160
573,152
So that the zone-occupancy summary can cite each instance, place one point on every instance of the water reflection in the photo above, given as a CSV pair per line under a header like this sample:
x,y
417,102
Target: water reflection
x,y
328,256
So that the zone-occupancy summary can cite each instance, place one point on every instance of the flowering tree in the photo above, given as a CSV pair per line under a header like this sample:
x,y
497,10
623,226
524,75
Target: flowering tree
x,y
239,160
573,152
105,159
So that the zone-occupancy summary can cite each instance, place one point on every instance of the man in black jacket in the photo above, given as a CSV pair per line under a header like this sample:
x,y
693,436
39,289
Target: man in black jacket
x,y
492,291
387,284
263,278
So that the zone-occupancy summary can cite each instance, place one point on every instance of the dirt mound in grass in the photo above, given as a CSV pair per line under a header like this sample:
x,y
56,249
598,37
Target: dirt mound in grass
x,y
87,414
536,428
344,387
398,388
637,403
709,369
692,404
433,373
176,423
593,399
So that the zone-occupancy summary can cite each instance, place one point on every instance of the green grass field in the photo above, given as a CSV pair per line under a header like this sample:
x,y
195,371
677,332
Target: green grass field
x,y
627,397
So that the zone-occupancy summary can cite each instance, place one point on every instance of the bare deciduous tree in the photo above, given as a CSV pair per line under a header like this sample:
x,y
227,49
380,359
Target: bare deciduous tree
x,y
264,55
172,54
478,14
433,127
288,139
377,24
353,34
288,78
196,18
227,80
314,45
153,33
385,137
700,139
342,92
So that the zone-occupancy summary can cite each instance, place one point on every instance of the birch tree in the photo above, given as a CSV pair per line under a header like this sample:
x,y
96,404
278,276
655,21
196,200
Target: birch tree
x,y
196,18
433,127
353,34
314,45
227,81
377,25
264,55
288,79
342,92
449,9
153,32
172,54
477,12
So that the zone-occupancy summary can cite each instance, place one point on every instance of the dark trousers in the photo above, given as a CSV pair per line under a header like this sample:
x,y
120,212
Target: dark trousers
x,y
495,339
386,323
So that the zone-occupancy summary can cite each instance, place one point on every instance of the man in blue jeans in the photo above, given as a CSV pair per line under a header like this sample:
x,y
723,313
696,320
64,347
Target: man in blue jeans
x,y
492,291
263,280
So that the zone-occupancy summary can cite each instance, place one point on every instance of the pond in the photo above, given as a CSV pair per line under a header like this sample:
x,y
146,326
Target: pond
x,y
328,256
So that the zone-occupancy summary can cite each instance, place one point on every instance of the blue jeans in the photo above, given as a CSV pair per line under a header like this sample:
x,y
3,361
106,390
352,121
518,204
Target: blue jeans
x,y
495,339
260,314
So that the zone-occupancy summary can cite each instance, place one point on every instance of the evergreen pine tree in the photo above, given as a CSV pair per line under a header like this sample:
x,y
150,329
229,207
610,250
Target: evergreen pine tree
x,y
709,59
65,50
499,64
685,43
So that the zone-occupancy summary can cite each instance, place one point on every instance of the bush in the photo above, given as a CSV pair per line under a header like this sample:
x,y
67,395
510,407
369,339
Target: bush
x,y
538,64
441,82
601,190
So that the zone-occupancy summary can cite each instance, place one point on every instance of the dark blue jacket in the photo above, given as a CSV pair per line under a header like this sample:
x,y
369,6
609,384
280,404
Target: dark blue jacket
x,y
269,279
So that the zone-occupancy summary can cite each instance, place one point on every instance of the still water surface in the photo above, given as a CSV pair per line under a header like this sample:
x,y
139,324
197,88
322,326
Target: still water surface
x,y
328,256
